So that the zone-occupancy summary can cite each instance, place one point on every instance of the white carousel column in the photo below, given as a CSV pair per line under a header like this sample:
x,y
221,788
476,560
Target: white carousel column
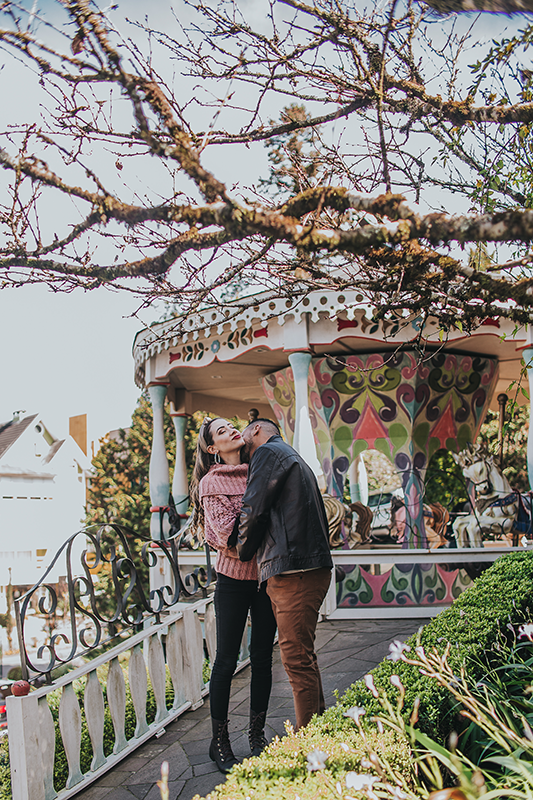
x,y
159,479
528,360
180,486
159,476
358,481
304,441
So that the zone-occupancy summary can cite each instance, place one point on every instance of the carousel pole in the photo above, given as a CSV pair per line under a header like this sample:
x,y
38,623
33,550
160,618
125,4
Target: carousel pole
x,y
358,480
502,403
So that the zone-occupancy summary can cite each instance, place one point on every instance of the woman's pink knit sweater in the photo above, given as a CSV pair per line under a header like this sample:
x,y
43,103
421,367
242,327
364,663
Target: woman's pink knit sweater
x,y
221,492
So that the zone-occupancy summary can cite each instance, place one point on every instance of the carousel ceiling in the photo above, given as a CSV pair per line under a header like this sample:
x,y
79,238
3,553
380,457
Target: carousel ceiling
x,y
219,364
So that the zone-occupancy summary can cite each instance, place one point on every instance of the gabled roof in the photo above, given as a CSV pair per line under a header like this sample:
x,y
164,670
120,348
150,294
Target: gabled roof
x,y
53,450
11,431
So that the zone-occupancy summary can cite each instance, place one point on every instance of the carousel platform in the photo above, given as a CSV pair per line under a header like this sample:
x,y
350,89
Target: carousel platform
x,y
347,650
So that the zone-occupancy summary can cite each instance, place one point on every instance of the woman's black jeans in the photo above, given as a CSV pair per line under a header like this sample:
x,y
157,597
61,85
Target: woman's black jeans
x,y
233,599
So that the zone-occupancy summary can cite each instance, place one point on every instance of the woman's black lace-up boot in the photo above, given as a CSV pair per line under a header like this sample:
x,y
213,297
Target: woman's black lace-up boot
x,y
256,732
220,748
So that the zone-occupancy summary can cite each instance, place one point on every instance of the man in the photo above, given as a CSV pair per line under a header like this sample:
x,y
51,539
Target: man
x,y
283,522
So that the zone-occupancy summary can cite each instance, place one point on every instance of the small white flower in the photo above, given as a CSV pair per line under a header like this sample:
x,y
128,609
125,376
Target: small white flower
x,y
369,682
316,759
355,713
380,726
338,787
528,733
345,747
526,631
361,783
420,652
396,792
366,764
396,648
395,680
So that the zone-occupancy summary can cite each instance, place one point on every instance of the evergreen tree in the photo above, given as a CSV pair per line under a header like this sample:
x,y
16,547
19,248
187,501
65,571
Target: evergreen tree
x,y
119,490
444,482
515,434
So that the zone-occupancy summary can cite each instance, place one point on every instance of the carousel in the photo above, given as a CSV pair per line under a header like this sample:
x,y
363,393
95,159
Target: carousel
x,y
339,383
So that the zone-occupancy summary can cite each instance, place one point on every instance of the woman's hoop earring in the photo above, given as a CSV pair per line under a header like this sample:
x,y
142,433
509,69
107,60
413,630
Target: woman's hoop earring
x,y
217,458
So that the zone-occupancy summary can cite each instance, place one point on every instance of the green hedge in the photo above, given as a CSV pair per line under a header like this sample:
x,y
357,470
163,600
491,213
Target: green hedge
x,y
502,595
281,771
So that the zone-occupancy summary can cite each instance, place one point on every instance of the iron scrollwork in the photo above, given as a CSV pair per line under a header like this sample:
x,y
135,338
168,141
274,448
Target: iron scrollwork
x,y
109,599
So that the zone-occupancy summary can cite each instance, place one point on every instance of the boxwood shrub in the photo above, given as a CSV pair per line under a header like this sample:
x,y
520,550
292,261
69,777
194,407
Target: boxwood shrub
x,y
281,770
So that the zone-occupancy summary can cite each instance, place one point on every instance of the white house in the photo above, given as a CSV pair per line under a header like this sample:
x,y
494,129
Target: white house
x,y
42,498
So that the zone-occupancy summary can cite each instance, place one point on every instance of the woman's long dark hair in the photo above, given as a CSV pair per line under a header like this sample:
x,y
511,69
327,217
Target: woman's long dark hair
x,y
203,463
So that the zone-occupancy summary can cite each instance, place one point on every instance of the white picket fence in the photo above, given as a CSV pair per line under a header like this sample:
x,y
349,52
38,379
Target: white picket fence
x,y
31,726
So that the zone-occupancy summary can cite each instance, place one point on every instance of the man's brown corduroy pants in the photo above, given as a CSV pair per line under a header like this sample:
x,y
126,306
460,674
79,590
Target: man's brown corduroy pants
x,y
296,599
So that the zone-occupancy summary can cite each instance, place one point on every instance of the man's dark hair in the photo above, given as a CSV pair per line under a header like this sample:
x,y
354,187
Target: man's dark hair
x,y
263,421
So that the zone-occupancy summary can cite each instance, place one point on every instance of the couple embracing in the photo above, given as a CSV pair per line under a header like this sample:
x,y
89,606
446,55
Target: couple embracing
x,y
262,511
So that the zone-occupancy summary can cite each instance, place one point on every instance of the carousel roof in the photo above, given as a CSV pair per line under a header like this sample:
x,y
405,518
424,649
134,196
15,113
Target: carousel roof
x,y
217,363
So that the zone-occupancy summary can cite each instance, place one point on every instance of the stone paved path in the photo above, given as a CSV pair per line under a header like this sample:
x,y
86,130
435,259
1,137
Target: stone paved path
x,y
346,650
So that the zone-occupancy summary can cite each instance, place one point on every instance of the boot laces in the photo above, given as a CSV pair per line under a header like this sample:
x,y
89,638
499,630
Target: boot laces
x,y
223,744
256,734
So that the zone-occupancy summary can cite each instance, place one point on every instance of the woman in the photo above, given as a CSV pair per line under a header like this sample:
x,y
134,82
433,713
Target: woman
x,y
218,484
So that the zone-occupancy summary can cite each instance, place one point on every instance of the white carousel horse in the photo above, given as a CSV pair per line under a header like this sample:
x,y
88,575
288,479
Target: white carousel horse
x,y
496,503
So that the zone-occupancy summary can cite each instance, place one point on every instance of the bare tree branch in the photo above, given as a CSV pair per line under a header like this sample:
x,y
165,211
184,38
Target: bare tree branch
x,y
387,121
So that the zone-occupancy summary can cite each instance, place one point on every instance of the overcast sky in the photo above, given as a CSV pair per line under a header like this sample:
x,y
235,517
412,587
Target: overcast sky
x,y
68,354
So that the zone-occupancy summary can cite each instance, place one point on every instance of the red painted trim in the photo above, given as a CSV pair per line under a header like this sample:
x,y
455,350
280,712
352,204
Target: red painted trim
x,y
174,357
157,509
261,332
346,323
158,383
432,341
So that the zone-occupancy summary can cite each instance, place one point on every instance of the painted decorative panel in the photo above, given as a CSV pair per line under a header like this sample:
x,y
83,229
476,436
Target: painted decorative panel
x,y
402,585
199,353
399,403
